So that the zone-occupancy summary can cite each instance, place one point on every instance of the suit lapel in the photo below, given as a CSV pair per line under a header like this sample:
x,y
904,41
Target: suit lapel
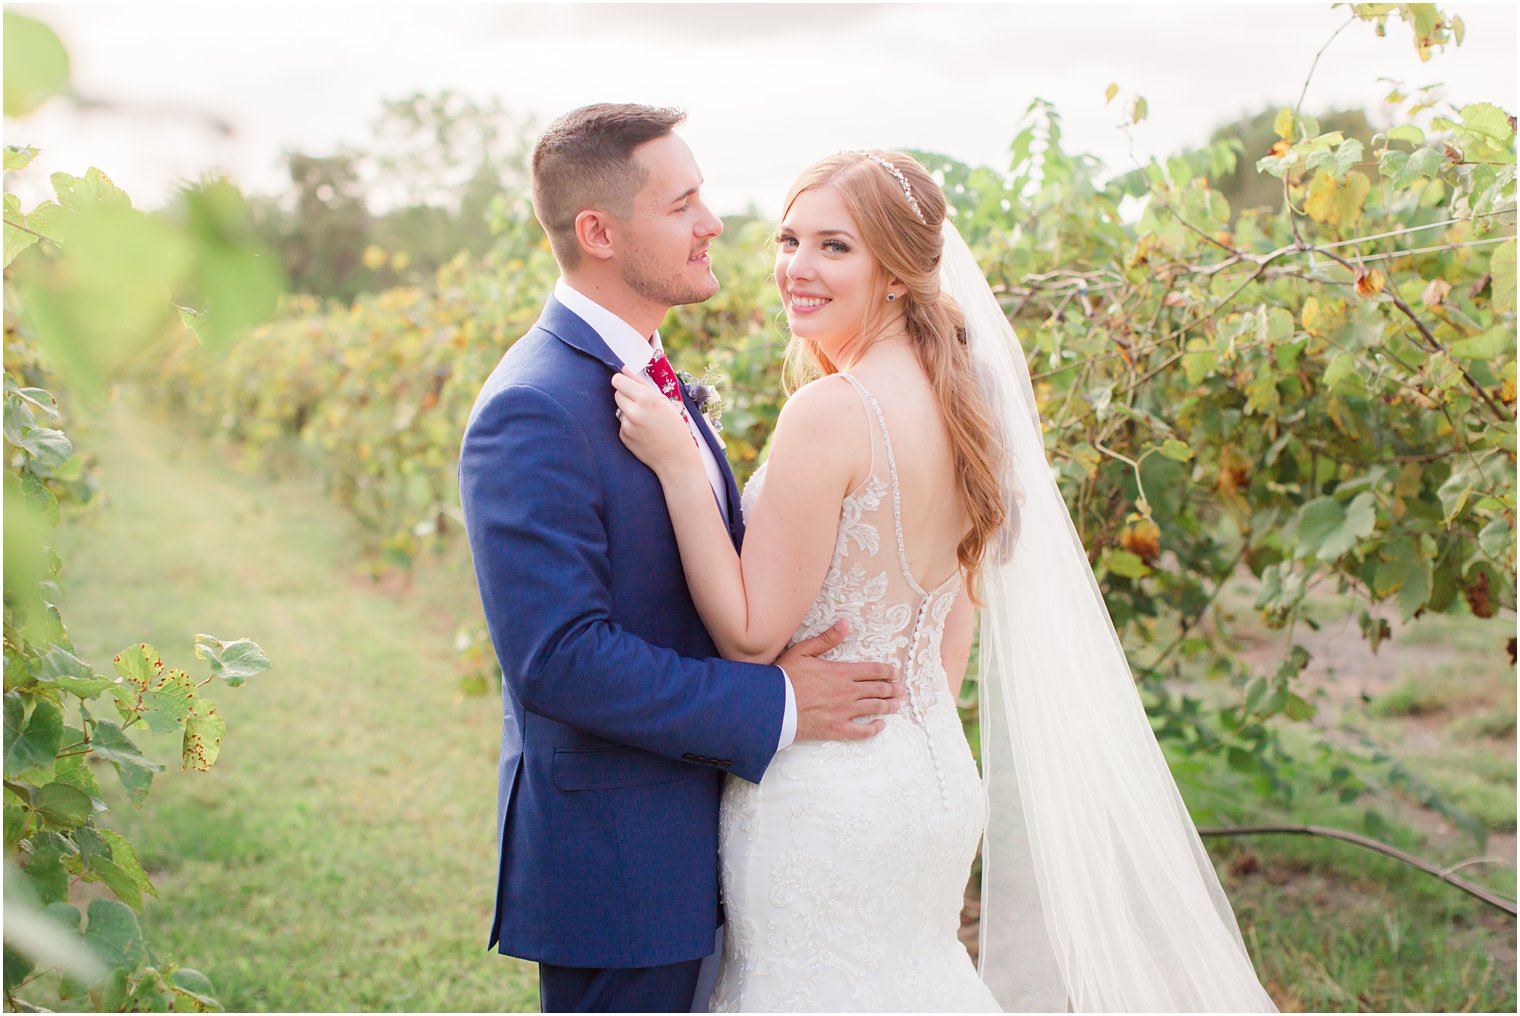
x,y
731,510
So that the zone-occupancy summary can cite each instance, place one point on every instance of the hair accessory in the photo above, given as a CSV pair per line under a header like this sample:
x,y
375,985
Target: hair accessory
x,y
907,189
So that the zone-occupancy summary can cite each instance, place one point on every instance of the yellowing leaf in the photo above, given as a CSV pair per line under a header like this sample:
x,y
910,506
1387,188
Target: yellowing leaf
x,y
1282,125
1502,282
1108,95
1369,283
1313,316
1337,203
1435,293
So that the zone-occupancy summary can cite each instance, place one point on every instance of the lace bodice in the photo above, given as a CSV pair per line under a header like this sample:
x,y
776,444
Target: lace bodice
x,y
892,618
843,869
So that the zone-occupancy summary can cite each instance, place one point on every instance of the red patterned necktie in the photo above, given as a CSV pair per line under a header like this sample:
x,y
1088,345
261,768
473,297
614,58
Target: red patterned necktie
x,y
664,376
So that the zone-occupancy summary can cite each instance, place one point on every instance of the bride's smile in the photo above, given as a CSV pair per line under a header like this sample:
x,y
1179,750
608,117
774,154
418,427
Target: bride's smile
x,y
830,284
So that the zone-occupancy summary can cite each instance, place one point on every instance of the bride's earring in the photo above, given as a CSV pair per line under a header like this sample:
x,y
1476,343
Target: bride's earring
x,y
891,297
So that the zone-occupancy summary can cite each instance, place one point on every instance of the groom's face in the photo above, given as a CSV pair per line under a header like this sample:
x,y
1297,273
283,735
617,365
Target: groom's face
x,y
665,239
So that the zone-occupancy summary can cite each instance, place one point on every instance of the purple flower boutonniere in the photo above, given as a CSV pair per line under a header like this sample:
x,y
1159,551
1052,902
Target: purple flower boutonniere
x,y
705,394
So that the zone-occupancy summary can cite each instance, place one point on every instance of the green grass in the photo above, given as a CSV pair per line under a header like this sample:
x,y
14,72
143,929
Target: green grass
x,y
1334,927
341,853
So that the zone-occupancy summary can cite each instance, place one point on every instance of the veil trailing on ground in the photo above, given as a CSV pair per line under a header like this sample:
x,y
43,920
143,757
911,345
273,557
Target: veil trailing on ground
x,y
1097,894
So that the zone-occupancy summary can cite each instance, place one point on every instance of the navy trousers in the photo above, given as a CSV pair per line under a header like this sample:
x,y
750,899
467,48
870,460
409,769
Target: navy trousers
x,y
640,989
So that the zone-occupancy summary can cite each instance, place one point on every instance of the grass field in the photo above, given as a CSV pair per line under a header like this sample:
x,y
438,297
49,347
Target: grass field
x,y
341,855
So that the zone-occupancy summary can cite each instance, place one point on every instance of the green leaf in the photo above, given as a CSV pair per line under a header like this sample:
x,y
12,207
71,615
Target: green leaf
x,y
115,935
1405,571
166,705
1327,530
196,985
1138,112
107,742
1123,562
1498,539
109,873
1341,376
1492,343
18,157
16,238
62,806
1176,450
233,662
1423,162
45,869
125,857
161,697
36,745
67,672
1502,283
1489,120
39,499
17,968
75,770
17,825
203,736
48,448
1407,132
90,194
36,65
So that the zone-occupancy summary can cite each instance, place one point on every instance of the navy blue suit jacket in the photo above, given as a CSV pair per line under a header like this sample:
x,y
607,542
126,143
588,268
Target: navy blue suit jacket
x,y
618,722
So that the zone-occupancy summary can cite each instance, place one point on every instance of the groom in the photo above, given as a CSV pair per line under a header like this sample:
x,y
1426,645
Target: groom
x,y
618,722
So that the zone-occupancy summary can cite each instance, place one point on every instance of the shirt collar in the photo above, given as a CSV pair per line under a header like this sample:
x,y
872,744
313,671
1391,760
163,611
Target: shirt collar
x,y
626,343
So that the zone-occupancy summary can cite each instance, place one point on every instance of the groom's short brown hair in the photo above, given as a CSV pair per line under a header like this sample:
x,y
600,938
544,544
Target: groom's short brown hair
x,y
585,160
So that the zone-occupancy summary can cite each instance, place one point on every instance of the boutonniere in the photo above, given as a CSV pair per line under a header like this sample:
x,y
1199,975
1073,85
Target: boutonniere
x,y
705,394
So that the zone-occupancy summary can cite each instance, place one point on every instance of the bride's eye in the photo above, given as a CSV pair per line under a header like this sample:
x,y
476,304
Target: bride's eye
x,y
786,240
836,247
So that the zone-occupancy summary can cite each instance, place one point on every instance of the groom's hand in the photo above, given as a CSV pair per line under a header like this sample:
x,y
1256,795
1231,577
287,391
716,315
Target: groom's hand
x,y
830,695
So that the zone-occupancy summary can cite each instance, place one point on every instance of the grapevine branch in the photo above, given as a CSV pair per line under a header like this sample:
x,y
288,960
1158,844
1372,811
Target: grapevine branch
x,y
1446,875
1430,339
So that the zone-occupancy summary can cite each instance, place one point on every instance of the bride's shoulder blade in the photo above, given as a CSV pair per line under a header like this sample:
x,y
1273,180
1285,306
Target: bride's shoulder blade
x,y
823,434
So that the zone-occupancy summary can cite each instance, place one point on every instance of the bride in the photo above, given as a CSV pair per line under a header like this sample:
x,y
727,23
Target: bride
x,y
906,488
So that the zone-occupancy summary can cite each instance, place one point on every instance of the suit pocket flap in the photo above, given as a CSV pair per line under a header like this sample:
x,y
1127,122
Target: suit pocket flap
x,y
611,768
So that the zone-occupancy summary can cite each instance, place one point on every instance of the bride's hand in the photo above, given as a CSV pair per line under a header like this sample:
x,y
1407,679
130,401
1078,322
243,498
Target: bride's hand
x,y
652,427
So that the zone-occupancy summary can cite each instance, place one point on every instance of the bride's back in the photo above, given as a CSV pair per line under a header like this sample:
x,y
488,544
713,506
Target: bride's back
x,y
934,519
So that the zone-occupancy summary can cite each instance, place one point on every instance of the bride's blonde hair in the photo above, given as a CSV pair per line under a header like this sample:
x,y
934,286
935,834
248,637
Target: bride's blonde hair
x,y
903,236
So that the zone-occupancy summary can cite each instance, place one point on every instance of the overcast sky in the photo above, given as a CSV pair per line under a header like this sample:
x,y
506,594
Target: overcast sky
x,y
769,88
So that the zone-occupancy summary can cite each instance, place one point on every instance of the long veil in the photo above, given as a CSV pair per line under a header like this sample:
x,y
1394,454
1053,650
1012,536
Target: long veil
x,y
1097,894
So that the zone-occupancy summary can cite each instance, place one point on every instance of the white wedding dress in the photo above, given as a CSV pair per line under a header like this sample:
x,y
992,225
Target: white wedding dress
x,y
844,869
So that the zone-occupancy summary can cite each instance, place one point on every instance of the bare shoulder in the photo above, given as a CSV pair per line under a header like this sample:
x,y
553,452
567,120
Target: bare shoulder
x,y
823,428
826,402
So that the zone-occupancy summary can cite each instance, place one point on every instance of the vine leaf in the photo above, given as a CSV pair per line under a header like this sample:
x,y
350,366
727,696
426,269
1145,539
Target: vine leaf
x,y
136,772
1502,268
233,662
203,736
1327,529
34,744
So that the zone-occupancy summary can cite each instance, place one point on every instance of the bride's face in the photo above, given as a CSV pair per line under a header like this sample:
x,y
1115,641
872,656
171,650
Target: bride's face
x,y
829,281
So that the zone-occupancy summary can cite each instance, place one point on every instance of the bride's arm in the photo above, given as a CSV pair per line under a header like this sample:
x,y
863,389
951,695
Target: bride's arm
x,y
752,605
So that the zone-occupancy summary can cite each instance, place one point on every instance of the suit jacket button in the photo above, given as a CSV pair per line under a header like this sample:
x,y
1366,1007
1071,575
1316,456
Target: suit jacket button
x,y
688,757
725,763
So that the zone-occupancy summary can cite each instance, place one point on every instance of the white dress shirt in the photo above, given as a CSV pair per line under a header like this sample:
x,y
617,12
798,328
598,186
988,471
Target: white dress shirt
x,y
635,351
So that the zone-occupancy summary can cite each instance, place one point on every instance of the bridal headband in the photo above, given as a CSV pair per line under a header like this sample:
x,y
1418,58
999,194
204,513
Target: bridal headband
x,y
907,188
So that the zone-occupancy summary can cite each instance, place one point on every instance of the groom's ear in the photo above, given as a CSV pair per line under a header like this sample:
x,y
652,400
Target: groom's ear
x,y
594,231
